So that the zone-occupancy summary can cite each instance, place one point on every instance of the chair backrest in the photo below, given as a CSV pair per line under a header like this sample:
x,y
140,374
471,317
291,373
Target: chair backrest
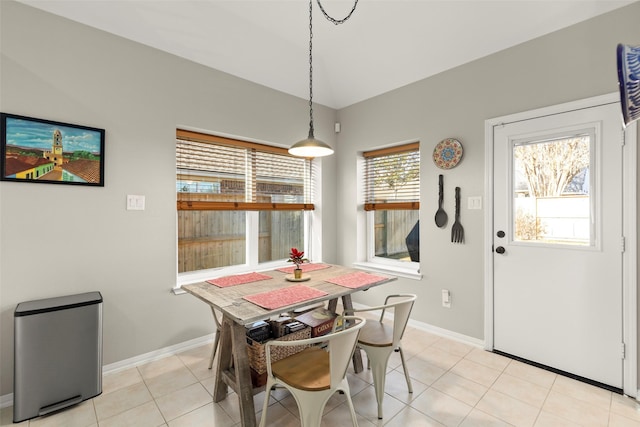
x,y
342,344
402,305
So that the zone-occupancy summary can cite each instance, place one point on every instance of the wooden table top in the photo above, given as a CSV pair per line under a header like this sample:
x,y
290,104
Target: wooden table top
x,y
229,300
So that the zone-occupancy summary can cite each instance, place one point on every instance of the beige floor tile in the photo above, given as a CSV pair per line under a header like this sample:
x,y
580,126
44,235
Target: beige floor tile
x,y
486,358
476,372
546,419
81,415
367,406
208,415
520,389
454,347
616,420
508,409
159,367
109,405
477,418
460,388
582,391
423,371
410,417
442,408
439,357
531,373
626,406
145,415
6,418
414,341
279,416
118,380
341,416
170,381
396,386
183,401
575,410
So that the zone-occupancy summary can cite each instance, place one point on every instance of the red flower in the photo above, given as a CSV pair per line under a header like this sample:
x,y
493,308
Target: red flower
x,y
296,257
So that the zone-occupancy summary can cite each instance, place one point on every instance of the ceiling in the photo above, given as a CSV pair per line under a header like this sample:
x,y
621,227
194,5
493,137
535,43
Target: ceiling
x,y
386,44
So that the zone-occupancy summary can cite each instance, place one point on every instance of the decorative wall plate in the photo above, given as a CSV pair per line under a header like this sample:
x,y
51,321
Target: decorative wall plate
x,y
629,81
447,153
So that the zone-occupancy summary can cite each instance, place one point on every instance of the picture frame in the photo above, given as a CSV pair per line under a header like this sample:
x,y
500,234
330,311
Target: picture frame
x,y
45,151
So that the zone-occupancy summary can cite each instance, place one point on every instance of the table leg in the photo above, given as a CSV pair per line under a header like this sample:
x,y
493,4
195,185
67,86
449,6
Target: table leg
x,y
243,375
224,362
347,304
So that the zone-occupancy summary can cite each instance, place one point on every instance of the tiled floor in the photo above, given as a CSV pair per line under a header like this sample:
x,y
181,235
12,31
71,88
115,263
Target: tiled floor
x,y
454,385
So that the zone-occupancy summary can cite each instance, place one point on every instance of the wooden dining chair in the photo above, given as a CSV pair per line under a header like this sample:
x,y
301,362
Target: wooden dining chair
x,y
216,340
380,339
313,375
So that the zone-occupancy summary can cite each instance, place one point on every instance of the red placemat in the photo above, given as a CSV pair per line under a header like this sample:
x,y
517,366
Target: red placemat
x,y
356,280
239,279
284,296
305,268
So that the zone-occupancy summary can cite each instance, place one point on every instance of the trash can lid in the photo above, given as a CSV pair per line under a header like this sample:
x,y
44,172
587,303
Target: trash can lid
x,y
57,303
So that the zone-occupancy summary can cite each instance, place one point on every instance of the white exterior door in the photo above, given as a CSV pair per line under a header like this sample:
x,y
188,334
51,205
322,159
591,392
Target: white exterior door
x,y
558,241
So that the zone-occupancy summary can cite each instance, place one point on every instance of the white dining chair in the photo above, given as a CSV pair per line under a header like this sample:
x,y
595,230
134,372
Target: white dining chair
x,y
313,375
216,340
380,339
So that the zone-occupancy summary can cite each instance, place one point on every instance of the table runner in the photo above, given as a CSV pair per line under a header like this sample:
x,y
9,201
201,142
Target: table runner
x,y
284,296
239,279
305,268
356,280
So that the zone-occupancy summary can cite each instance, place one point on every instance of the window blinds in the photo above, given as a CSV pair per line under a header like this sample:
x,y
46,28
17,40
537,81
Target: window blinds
x,y
216,173
392,178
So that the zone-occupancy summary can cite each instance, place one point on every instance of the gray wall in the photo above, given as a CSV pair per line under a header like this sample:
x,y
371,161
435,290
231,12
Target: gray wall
x,y
59,240
55,69
571,64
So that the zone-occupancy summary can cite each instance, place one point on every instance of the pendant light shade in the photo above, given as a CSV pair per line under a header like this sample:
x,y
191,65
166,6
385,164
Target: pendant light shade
x,y
310,147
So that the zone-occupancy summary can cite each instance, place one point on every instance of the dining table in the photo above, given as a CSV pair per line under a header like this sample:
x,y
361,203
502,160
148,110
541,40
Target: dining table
x,y
244,299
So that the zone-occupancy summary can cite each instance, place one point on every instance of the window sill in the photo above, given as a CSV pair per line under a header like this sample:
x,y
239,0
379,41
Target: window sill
x,y
409,273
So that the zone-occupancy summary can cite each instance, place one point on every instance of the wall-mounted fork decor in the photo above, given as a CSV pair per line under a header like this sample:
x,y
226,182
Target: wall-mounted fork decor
x,y
457,231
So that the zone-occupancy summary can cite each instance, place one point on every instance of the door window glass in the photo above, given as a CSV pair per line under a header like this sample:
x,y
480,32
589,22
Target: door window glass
x,y
552,200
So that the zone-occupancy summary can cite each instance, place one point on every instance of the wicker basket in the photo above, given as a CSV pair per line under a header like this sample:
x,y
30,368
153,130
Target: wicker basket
x,y
257,358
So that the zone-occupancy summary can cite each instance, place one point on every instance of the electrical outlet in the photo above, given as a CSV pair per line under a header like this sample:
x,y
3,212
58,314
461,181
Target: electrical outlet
x,y
446,298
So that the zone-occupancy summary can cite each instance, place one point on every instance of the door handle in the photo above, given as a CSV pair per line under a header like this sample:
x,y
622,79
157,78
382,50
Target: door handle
x,y
500,250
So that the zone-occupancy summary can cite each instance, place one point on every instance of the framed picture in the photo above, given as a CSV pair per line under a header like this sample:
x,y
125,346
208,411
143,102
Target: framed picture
x,y
37,150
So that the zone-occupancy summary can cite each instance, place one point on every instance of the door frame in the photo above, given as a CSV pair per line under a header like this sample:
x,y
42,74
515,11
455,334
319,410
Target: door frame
x,y
629,211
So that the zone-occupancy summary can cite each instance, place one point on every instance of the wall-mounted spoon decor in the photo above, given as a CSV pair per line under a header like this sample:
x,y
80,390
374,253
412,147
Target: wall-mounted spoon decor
x,y
441,215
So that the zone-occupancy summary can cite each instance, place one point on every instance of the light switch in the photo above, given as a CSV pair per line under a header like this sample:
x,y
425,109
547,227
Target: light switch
x,y
474,202
446,298
135,202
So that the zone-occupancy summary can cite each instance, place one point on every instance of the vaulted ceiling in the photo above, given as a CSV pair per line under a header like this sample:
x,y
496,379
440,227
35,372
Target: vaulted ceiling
x,y
386,44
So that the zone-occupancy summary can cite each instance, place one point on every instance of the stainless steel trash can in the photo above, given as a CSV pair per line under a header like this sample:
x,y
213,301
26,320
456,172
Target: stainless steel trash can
x,y
57,353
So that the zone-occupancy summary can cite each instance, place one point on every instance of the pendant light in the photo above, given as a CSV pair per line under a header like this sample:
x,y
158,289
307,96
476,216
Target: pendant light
x,y
312,147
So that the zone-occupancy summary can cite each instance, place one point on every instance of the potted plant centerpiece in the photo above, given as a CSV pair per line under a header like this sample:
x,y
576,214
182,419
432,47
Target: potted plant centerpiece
x,y
297,257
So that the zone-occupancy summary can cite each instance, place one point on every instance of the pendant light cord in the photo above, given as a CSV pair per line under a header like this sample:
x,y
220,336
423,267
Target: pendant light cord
x,y
335,22
338,21
311,69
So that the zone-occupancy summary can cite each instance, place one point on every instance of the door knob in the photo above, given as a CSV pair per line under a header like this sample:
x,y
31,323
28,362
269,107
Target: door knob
x,y
500,250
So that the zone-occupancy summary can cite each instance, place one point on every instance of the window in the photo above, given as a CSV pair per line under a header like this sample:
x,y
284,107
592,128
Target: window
x,y
552,201
392,203
239,204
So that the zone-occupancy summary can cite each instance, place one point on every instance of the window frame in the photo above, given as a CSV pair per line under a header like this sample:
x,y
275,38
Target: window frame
x,y
409,269
252,213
